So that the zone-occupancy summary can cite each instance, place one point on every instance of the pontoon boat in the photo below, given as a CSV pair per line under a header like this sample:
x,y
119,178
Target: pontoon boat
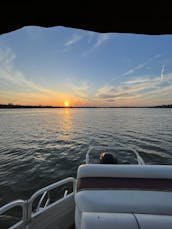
x,y
120,196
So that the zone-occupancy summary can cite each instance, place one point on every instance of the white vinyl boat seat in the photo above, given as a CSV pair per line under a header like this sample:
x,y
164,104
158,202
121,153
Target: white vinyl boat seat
x,y
124,221
124,189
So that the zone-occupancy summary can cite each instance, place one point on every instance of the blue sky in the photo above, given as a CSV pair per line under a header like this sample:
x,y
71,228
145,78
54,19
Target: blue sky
x,y
48,66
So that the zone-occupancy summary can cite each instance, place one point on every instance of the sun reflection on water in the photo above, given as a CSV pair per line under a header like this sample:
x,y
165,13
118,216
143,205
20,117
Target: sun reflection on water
x,y
66,124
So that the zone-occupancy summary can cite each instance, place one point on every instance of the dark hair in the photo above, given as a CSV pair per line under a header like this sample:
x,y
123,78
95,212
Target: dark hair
x,y
107,158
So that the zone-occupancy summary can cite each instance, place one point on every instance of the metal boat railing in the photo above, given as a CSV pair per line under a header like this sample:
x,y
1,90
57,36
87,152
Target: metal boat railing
x,y
44,191
27,205
140,160
42,199
16,203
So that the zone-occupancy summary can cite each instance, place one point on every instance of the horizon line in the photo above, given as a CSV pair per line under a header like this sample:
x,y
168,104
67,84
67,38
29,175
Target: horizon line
x,y
49,106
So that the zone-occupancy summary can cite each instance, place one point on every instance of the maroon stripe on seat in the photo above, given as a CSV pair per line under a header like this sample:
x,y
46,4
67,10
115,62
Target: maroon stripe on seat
x,y
150,184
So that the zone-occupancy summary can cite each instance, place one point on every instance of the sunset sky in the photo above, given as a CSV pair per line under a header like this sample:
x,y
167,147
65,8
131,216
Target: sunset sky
x,y
48,66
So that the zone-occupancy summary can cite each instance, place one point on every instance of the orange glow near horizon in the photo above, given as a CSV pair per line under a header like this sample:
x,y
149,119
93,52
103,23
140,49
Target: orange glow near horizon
x,y
70,100
66,103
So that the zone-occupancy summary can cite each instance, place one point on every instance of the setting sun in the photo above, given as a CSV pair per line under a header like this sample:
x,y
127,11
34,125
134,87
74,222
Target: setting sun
x,y
66,103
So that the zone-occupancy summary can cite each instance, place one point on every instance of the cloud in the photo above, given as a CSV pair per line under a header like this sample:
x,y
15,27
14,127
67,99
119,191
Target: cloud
x,y
91,35
16,88
157,97
79,89
100,40
122,91
154,80
136,81
15,85
162,71
138,90
138,67
73,40
7,57
141,81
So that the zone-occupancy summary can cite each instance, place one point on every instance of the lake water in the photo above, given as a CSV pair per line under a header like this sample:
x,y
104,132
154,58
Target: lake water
x,y
41,146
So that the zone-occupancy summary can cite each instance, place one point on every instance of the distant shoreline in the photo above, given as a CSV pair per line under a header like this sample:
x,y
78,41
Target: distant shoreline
x,y
12,106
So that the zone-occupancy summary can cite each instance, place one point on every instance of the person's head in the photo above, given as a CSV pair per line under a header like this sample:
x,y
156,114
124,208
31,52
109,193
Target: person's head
x,y
107,158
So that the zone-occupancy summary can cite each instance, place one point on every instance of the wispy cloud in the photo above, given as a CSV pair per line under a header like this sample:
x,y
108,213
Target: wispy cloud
x,y
162,72
140,66
138,90
79,89
100,40
73,40
15,85
154,80
142,81
7,57
122,91
137,81
90,36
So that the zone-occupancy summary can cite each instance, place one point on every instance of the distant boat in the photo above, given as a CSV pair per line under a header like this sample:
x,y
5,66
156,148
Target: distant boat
x,y
119,196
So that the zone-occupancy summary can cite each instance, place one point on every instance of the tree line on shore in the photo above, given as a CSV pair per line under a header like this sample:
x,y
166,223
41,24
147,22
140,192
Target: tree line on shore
x,y
10,105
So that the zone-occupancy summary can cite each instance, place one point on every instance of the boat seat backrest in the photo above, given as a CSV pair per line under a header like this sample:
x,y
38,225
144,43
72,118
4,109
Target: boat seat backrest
x,y
129,171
